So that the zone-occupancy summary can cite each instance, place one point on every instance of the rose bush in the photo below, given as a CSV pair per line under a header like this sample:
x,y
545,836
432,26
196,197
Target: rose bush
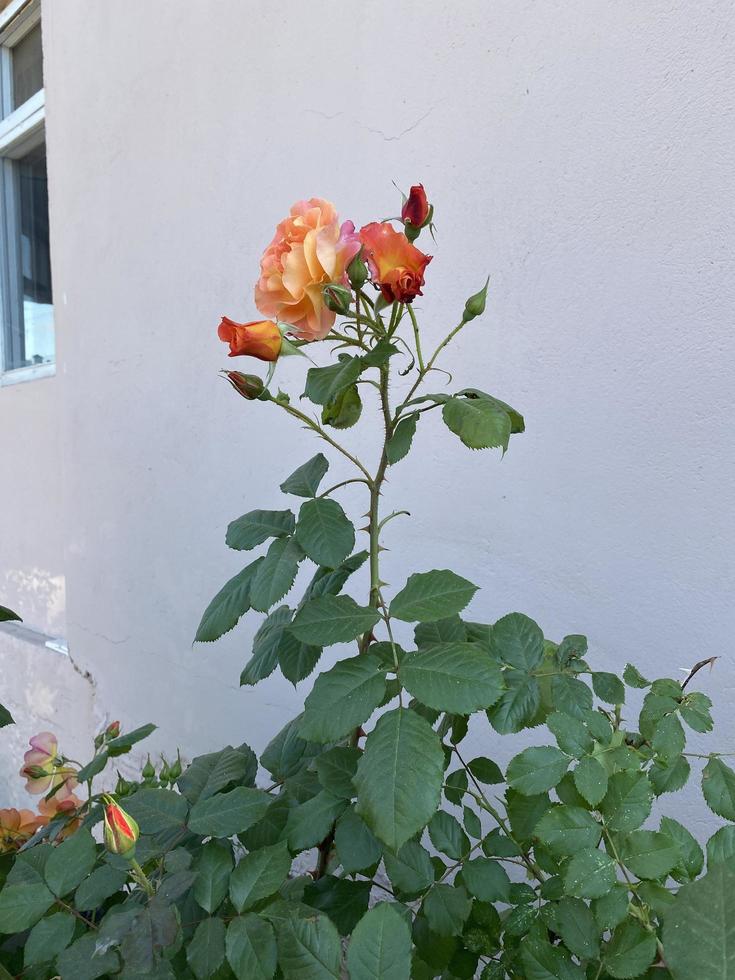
x,y
368,840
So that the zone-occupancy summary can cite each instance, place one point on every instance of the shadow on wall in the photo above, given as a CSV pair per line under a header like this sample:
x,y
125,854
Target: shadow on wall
x,y
38,596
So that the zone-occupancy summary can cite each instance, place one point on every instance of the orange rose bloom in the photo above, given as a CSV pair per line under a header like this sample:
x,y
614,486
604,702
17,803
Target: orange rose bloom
x,y
261,338
16,827
54,808
309,249
395,264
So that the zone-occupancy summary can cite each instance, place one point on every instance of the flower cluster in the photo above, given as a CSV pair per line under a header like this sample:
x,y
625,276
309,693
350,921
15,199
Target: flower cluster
x,y
311,267
46,772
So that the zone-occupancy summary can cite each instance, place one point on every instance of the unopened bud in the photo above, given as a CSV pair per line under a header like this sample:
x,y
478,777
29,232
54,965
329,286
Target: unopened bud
x,y
337,298
250,386
113,729
357,272
475,305
175,769
416,212
121,831
148,772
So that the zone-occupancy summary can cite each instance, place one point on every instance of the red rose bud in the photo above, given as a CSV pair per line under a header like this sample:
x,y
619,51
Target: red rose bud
x,y
121,831
249,386
113,729
337,298
416,208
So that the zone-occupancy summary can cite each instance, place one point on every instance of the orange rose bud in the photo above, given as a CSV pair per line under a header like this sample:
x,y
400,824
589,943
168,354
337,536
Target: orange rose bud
x,y
261,338
113,729
416,207
121,831
396,266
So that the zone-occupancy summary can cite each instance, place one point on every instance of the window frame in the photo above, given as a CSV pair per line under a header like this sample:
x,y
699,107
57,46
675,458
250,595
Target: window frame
x,y
21,130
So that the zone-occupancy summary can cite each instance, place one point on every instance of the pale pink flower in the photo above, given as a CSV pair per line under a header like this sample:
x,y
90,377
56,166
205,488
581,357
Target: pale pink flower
x,y
44,770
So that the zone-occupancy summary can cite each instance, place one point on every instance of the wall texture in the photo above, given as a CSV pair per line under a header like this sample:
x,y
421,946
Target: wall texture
x,y
580,152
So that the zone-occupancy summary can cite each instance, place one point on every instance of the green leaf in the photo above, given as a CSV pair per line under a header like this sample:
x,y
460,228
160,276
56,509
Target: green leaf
x,y
296,659
399,777
213,868
479,422
304,482
590,873
669,778
206,951
524,813
447,835
536,770
21,906
571,735
486,879
156,810
571,696
720,846
211,773
456,677
70,862
399,443
332,619
518,641
356,846
517,705
257,526
231,602
449,630
633,677
7,615
324,532
275,574
447,908
309,823
429,596
5,717
410,869
258,875
100,885
336,768
627,802
669,739
227,814
691,858
323,384
250,945
287,753
590,778
47,938
380,948
266,646
82,961
565,830
344,410
631,951
577,927
608,687
649,853
695,710
699,929
718,787
542,961
329,581
309,949
343,698
611,909
344,901
485,770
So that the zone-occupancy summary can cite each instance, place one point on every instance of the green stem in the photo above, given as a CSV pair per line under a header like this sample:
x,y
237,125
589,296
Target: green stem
x,y
417,339
315,427
140,876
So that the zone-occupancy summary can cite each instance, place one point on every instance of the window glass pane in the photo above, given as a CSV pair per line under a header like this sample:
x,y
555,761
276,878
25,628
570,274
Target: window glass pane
x,y
27,67
35,345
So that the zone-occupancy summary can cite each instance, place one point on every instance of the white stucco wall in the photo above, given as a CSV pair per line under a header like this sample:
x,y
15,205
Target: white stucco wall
x,y
580,151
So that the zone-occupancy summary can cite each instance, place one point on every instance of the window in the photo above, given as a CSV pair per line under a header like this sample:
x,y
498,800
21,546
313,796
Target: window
x,y
26,307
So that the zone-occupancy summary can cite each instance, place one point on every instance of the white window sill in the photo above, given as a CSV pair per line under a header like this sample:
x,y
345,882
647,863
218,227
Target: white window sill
x,y
33,373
